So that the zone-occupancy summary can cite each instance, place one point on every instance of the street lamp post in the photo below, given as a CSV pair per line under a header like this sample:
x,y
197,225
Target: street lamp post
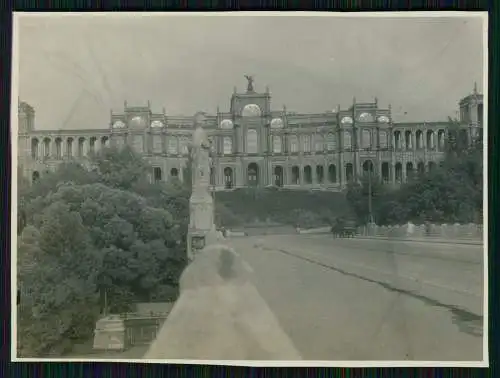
x,y
212,177
370,213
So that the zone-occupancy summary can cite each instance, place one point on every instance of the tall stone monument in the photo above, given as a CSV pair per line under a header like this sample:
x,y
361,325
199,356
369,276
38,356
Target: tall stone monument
x,y
201,206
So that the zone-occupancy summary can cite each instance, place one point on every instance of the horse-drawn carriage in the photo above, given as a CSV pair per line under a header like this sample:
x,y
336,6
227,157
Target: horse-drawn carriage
x,y
343,228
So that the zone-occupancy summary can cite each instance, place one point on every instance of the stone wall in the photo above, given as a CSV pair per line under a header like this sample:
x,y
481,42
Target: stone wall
x,y
444,231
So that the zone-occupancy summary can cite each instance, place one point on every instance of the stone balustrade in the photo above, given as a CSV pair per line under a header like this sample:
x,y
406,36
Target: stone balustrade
x,y
444,231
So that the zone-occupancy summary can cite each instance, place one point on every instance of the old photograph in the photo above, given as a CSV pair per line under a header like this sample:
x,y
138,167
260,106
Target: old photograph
x,y
250,188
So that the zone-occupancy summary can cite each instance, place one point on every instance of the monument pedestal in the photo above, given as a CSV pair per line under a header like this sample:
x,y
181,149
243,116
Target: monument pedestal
x,y
109,333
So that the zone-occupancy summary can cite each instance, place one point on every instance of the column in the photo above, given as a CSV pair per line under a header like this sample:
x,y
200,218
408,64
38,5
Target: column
x,y
340,169
326,178
301,173
64,148
85,147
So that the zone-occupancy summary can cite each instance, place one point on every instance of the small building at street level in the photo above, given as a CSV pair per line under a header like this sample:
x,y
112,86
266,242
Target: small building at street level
x,y
255,145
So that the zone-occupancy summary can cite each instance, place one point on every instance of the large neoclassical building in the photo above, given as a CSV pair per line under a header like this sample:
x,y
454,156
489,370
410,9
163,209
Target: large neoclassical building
x,y
254,145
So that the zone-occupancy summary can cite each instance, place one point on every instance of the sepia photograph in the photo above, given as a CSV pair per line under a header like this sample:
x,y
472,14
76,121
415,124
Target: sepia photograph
x,y
250,188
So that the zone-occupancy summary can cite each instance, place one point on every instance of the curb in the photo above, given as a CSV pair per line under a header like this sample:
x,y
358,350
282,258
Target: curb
x,y
435,241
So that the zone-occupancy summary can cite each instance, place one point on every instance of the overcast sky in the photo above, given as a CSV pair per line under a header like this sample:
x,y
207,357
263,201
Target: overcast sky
x,y
74,69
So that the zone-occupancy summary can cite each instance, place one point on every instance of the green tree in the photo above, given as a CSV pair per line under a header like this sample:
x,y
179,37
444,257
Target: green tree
x,y
57,272
96,228
453,192
358,195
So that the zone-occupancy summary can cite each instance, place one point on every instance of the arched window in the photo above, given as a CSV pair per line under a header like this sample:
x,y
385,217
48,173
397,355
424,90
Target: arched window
x,y
253,174
228,178
368,166
308,174
399,172
104,142
385,172
441,142
294,144
430,139
157,174
252,142
69,147
397,140
419,139
46,147
409,170
58,148
81,147
92,145
332,173
174,172
277,144
251,110
34,148
295,175
408,140
228,145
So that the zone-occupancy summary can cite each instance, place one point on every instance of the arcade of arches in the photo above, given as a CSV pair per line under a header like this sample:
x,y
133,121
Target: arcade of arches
x,y
304,175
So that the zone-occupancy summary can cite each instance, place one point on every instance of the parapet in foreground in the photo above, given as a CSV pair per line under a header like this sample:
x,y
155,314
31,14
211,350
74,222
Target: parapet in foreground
x,y
220,315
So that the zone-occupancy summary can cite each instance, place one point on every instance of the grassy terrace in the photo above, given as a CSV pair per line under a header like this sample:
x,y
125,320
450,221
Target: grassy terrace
x,y
279,206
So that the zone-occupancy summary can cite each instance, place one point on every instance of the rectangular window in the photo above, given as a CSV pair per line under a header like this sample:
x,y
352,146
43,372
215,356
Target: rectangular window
x,y
138,144
331,142
318,143
228,146
183,146
119,141
157,144
172,145
294,144
306,143
383,139
252,142
277,144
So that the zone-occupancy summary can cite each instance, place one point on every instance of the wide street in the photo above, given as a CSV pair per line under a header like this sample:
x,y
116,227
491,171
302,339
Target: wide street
x,y
361,299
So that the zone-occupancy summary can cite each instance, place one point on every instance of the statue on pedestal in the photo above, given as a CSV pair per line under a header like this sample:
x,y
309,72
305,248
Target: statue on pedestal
x,y
201,201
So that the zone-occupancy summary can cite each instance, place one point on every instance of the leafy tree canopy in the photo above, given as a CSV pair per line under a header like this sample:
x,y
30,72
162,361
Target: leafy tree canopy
x,y
450,193
90,229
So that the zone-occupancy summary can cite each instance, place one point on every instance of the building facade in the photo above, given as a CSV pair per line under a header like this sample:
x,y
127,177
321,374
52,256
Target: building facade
x,y
253,145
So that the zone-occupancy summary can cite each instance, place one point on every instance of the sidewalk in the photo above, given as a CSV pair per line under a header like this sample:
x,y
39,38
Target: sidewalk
x,y
429,239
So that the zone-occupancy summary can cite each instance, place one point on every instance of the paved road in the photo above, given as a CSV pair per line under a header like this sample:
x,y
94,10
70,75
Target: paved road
x,y
350,299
